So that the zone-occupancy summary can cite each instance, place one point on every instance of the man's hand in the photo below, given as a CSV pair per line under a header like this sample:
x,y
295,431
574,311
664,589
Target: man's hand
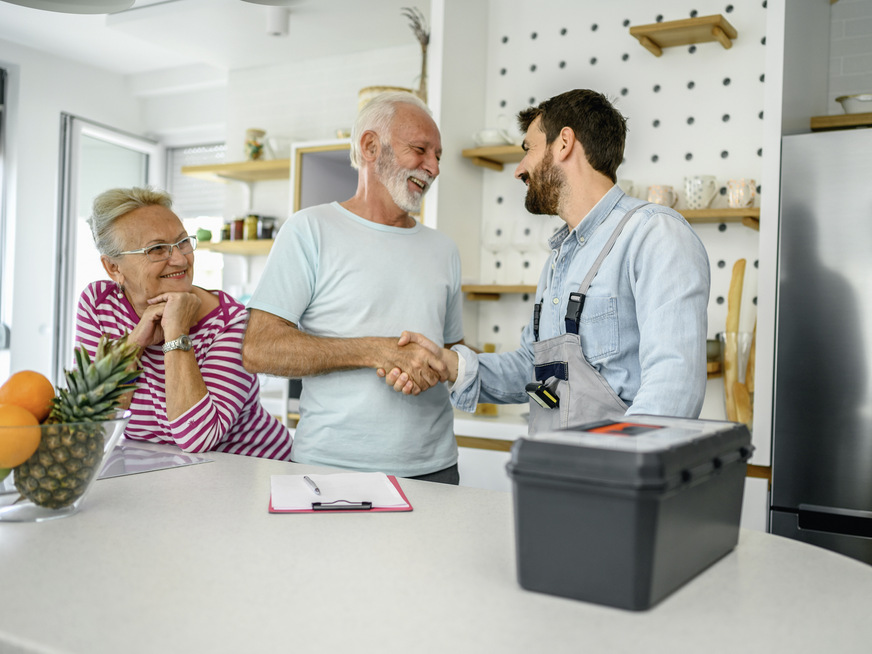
x,y
400,378
419,363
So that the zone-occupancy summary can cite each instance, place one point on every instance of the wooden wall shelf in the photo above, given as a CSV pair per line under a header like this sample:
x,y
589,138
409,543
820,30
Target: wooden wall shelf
x,y
702,29
245,248
245,171
495,156
491,292
840,121
749,217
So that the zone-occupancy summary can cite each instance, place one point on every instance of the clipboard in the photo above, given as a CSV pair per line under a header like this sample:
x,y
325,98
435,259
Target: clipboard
x,y
351,507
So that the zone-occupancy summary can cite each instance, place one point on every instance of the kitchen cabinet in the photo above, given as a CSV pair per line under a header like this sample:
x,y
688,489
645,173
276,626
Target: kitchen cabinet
x,y
701,29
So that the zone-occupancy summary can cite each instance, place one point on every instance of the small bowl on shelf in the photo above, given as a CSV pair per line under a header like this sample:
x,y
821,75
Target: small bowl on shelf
x,y
55,480
859,103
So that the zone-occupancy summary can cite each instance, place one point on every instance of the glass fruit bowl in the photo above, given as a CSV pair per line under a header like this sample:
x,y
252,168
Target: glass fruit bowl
x,y
55,480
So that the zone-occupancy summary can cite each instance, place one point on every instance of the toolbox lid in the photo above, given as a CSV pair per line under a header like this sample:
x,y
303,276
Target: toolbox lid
x,y
641,452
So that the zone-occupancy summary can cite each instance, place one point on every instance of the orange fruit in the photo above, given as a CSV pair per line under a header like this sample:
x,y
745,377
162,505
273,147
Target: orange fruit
x,y
19,435
29,390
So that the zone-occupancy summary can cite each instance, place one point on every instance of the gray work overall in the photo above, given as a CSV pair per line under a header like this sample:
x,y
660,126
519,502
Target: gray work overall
x,y
560,364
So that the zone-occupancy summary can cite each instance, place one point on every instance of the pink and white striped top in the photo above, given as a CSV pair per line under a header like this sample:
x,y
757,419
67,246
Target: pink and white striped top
x,y
229,418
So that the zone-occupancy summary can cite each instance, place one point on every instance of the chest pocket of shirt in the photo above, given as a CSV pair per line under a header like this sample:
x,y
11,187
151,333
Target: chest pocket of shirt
x,y
599,328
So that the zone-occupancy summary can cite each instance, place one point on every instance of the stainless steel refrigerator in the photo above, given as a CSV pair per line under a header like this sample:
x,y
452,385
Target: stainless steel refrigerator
x,y
822,430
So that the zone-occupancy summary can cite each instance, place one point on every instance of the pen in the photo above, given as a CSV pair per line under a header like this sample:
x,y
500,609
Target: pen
x,y
312,485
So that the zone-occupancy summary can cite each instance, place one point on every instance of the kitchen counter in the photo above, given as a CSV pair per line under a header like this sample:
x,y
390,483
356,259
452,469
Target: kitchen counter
x,y
189,560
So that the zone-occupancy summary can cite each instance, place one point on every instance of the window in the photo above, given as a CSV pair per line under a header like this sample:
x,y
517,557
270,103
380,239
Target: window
x,y
200,205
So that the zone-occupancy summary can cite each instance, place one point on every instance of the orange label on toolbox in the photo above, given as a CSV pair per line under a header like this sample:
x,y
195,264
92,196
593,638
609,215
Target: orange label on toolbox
x,y
624,428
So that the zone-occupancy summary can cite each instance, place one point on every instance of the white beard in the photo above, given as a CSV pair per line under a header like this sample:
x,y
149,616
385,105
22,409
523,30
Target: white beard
x,y
395,180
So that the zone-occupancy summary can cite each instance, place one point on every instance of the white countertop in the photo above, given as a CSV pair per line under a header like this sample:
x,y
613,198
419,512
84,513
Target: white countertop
x,y
189,560
509,424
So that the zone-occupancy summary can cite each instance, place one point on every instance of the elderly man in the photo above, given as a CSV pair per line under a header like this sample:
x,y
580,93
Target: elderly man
x,y
620,320
342,282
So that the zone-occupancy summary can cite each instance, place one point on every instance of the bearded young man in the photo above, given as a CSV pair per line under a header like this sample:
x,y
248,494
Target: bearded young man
x,y
341,283
620,320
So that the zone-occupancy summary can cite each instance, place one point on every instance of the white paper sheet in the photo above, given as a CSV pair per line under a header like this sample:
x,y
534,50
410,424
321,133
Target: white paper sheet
x,y
291,492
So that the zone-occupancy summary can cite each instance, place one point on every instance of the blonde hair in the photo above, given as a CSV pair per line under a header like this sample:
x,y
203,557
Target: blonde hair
x,y
376,116
111,205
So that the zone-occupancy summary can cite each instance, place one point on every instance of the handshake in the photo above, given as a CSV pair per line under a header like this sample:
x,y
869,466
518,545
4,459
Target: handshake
x,y
415,363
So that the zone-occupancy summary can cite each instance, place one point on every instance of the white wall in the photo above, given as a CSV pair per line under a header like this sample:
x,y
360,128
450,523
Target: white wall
x,y
41,88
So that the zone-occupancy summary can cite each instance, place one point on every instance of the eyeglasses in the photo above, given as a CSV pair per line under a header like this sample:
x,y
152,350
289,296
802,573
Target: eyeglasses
x,y
163,251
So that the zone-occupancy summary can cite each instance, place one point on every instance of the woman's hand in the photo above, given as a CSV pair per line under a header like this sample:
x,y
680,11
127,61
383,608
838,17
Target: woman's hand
x,y
149,331
178,312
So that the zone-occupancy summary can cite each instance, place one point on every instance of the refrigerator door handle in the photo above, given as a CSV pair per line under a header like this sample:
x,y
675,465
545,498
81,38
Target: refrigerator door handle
x,y
835,520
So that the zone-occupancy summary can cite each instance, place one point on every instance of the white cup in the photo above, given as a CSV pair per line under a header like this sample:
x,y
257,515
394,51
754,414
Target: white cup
x,y
662,194
509,130
489,137
627,186
741,193
699,191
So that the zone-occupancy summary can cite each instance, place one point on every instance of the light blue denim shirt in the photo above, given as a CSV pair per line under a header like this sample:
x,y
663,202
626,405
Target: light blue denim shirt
x,y
645,318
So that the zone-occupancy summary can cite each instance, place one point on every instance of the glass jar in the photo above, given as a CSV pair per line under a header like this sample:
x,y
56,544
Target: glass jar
x,y
237,228
266,227
250,227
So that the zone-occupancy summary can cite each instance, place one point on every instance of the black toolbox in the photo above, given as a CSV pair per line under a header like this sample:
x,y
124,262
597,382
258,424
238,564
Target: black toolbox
x,y
622,513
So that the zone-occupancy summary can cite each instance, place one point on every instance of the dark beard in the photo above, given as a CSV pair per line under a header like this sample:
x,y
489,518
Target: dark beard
x,y
545,185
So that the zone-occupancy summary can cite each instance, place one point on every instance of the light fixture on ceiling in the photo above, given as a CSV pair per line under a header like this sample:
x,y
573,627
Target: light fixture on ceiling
x,y
272,3
278,21
76,6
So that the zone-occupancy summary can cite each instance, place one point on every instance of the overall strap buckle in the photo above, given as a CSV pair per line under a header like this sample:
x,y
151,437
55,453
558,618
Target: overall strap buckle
x,y
573,312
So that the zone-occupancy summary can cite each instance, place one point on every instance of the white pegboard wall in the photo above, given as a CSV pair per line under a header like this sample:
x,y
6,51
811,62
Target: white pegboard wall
x,y
696,110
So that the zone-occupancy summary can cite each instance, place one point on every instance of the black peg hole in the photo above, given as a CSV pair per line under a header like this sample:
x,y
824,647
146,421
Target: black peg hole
x,y
722,263
690,85
724,154
656,88
725,118
690,120
688,156
722,227
505,39
727,81
720,299
655,158
656,123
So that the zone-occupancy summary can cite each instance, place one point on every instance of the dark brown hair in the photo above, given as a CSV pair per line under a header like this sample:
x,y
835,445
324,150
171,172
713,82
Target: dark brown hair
x,y
598,126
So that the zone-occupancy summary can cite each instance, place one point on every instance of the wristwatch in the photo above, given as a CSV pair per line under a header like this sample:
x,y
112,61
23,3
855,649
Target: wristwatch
x,y
183,342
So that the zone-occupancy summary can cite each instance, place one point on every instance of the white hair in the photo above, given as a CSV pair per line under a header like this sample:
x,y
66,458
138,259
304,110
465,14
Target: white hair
x,y
376,115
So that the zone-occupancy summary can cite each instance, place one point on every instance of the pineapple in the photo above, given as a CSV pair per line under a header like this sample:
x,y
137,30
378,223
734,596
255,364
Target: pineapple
x,y
69,456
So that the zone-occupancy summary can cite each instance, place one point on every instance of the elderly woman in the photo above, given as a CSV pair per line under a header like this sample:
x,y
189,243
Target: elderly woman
x,y
193,390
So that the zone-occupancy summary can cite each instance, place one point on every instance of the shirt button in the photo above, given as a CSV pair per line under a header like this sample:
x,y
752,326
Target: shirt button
x,y
581,239
556,300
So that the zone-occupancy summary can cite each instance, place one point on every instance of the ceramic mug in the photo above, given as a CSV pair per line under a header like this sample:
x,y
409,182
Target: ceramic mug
x,y
488,136
627,186
509,130
699,191
741,193
662,194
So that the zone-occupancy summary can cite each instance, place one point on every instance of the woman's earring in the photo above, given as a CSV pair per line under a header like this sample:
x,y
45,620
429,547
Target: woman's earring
x,y
120,290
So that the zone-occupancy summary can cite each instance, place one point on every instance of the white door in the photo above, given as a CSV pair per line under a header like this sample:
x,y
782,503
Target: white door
x,y
94,158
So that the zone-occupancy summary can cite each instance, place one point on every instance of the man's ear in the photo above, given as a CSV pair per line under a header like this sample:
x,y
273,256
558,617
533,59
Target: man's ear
x,y
111,268
369,145
566,141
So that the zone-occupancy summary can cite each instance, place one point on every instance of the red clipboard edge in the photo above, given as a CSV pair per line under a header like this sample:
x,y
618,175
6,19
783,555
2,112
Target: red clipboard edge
x,y
386,509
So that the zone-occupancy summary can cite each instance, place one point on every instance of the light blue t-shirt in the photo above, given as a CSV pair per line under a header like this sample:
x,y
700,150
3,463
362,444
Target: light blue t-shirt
x,y
335,274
